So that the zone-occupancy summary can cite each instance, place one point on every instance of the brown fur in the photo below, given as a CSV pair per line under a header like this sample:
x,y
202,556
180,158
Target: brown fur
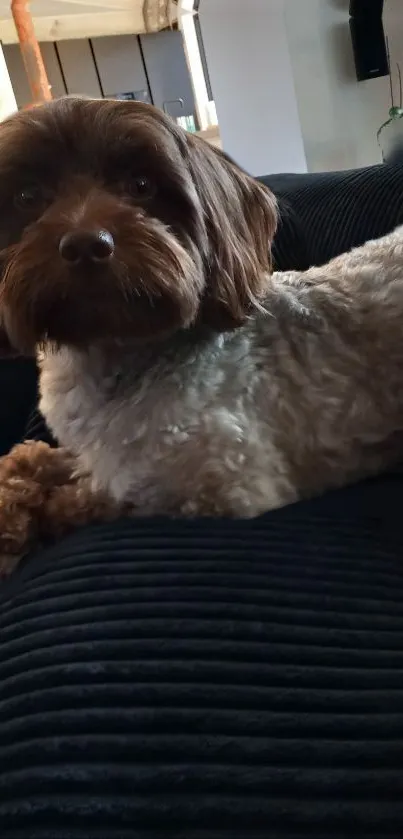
x,y
201,234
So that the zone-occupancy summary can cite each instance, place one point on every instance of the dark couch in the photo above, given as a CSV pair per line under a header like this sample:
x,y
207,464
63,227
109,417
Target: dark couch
x,y
216,679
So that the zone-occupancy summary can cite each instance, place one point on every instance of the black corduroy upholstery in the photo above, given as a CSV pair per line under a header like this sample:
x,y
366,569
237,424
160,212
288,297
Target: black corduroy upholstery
x,y
328,213
207,680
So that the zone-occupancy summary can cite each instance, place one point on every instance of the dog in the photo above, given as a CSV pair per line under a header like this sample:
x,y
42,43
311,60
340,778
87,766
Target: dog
x,y
179,374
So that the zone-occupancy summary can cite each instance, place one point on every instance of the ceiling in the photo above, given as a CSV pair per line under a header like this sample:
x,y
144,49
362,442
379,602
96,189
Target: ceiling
x,y
57,20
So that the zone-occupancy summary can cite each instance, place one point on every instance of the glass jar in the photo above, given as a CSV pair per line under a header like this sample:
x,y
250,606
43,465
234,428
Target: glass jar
x,y
390,136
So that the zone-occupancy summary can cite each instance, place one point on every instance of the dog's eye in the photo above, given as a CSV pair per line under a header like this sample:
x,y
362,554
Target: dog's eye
x,y
142,188
28,197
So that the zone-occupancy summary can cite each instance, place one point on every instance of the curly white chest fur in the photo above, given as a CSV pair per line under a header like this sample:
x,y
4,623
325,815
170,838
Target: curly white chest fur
x,y
188,440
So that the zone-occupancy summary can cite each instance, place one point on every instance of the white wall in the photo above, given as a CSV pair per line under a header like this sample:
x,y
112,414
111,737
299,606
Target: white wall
x,y
252,81
339,116
285,86
8,104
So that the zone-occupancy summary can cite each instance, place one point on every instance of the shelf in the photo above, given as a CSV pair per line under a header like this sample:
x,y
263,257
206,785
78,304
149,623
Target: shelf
x,y
58,20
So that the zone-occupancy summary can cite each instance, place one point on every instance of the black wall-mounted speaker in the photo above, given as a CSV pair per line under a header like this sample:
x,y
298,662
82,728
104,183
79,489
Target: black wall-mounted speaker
x,y
369,47
366,8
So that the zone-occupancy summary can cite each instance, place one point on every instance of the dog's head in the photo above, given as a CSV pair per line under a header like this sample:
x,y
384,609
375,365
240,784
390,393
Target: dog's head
x,y
116,225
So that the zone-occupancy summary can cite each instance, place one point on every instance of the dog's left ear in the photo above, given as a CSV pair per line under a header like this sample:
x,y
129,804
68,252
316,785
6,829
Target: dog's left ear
x,y
240,215
5,346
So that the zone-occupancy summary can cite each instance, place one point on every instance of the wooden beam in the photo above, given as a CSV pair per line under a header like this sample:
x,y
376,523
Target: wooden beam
x,y
117,5
80,25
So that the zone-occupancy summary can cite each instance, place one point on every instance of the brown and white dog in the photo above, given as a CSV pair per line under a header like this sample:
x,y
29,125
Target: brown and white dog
x,y
179,374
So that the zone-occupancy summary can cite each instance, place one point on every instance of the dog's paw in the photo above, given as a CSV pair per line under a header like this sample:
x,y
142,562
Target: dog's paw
x,y
29,475
39,463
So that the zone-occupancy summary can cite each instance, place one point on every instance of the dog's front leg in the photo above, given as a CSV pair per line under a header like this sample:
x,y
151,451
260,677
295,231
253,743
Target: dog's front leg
x,y
42,498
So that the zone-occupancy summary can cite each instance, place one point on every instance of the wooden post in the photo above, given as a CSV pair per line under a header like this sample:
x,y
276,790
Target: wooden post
x,y
31,54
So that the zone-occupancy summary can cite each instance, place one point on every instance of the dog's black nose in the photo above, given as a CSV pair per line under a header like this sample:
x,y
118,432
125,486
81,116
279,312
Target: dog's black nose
x,y
86,246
